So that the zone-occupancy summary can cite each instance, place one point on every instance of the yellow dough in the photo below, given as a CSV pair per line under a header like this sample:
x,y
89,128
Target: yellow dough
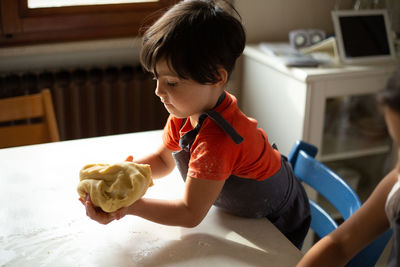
x,y
112,187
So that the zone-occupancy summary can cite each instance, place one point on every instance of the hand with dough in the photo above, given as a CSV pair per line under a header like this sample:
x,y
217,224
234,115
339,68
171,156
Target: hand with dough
x,y
112,187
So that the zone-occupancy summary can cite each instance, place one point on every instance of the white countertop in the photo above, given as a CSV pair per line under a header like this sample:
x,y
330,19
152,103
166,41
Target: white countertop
x,y
318,73
42,223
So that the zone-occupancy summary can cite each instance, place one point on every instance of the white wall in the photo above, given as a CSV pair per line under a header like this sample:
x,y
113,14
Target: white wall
x,y
264,20
271,20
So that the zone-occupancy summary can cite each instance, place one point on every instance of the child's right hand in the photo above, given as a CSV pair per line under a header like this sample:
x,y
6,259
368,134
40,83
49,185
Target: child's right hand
x,y
97,214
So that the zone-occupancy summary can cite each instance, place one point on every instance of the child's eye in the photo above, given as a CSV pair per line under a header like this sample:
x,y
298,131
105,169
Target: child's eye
x,y
172,84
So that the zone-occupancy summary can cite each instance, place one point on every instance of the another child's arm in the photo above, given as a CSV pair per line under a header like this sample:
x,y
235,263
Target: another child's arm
x,y
364,226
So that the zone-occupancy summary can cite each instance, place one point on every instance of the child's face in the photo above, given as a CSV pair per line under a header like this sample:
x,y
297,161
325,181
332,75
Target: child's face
x,y
393,122
184,97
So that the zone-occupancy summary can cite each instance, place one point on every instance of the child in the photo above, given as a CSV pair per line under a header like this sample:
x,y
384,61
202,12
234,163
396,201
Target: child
x,y
378,213
223,157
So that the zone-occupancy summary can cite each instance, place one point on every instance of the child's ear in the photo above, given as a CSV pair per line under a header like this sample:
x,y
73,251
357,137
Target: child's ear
x,y
223,77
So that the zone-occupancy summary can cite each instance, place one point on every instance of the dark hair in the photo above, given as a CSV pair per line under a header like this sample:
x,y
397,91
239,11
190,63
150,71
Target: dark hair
x,y
195,37
390,95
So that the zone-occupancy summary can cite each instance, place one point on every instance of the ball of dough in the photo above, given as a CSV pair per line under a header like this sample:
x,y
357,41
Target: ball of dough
x,y
112,187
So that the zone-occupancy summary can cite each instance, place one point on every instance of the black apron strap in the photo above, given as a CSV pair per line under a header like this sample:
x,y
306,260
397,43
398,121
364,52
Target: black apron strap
x,y
187,139
215,116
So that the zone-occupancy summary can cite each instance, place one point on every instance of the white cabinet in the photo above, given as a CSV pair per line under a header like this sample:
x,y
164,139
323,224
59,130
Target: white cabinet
x,y
310,104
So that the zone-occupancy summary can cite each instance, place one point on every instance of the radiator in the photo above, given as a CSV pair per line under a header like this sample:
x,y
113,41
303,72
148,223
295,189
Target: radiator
x,y
96,101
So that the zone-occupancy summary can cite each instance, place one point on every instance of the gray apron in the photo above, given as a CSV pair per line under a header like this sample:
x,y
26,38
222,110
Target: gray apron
x,y
281,198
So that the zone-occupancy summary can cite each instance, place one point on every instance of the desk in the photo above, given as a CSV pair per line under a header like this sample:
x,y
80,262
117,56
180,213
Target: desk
x,y
313,105
292,103
43,224
331,107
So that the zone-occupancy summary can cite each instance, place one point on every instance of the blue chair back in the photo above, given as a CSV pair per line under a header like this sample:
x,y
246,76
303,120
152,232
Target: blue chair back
x,y
338,193
322,223
327,183
300,145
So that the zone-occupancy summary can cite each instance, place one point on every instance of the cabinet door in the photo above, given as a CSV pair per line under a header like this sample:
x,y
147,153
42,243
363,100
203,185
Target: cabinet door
x,y
276,101
344,117
353,137
353,126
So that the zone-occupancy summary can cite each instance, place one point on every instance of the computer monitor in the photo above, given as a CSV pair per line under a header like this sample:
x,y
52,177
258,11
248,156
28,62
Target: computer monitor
x,y
363,36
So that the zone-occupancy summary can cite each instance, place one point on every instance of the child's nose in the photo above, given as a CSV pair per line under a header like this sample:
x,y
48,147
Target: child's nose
x,y
159,92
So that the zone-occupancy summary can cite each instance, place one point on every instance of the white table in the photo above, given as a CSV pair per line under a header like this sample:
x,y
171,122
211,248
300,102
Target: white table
x,y
42,223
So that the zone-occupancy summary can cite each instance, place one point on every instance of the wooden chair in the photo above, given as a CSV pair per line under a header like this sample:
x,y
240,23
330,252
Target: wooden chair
x,y
338,193
26,120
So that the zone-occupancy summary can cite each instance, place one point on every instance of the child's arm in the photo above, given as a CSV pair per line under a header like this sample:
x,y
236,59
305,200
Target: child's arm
x,y
199,196
364,226
161,162
189,211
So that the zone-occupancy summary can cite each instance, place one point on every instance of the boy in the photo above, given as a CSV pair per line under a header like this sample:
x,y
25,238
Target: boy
x,y
223,157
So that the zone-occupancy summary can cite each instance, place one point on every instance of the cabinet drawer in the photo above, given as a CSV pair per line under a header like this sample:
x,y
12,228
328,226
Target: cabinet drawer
x,y
353,85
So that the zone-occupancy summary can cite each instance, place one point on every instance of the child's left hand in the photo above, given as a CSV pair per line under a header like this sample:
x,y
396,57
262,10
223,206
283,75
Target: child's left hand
x,y
98,215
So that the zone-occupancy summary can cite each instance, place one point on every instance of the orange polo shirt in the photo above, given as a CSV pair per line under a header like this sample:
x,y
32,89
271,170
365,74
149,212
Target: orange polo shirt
x,y
215,156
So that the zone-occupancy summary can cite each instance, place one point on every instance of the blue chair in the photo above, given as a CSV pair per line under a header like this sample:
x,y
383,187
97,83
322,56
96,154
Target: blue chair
x,y
338,193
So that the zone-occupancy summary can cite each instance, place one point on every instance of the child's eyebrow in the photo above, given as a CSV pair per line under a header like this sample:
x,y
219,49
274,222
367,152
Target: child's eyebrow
x,y
170,74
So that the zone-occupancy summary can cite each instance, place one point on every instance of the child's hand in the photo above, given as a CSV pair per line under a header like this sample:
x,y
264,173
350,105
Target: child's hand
x,y
98,215
129,158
